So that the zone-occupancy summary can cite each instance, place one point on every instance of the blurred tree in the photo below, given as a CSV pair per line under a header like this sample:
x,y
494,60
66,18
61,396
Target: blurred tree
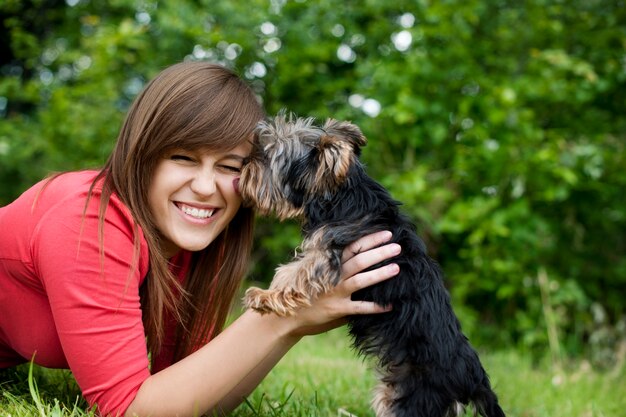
x,y
499,125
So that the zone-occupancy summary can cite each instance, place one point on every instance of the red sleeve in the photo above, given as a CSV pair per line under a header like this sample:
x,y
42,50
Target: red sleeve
x,y
95,305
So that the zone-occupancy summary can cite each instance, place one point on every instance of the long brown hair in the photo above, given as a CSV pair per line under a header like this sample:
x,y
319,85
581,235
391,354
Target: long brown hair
x,y
189,105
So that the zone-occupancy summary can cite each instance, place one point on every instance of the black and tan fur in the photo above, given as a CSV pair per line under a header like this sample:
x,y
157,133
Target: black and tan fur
x,y
426,365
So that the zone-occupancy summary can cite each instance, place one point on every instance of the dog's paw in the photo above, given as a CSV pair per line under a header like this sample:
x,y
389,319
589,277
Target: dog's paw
x,y
257,299
283,302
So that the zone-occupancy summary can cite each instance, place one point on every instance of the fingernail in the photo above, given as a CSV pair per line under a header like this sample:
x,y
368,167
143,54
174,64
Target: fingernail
x,y
393,268
387,235
395,248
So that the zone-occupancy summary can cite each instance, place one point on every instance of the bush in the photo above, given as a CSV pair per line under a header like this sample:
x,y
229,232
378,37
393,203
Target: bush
x,y
499,125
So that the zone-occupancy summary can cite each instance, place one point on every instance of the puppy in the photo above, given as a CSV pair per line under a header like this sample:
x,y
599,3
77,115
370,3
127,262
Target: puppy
x,y
427,366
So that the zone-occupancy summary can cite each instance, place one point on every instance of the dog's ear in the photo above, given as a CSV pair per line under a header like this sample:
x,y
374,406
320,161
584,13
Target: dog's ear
x,y
346,131
338,147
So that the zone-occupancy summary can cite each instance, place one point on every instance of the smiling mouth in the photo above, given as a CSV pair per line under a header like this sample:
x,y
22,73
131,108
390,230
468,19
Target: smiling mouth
x,y
196,212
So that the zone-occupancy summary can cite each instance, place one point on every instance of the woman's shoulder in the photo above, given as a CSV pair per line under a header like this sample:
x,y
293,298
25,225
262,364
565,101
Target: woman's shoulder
x,y
57,196
60,215
70,203
57,189
67,185
73,205
69,192
76,196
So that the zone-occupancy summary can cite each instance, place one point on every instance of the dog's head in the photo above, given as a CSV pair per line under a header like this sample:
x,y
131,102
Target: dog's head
x,y
294,161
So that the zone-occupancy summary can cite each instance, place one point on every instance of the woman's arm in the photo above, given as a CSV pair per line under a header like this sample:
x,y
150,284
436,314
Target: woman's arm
x,y
219,375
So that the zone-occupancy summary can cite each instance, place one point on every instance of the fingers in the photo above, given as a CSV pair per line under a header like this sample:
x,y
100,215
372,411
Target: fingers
x,y
369,278
364,244
360,256
364,260
367,307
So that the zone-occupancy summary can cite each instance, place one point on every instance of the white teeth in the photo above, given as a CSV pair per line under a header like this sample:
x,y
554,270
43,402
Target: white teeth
x,y
197,213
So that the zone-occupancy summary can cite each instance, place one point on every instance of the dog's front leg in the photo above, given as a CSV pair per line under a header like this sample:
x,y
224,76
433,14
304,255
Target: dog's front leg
x,y
313,272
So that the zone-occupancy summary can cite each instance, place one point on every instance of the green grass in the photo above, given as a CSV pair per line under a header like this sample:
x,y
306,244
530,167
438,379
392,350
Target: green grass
x,y
322,377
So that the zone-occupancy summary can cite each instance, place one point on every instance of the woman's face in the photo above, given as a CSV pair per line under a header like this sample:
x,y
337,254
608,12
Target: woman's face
x,y
193,196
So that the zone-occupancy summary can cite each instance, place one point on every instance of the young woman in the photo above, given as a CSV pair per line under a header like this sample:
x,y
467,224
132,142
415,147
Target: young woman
x,y
127,275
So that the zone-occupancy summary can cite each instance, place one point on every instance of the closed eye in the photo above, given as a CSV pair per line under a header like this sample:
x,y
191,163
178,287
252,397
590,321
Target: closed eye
x,y
231,168
179,157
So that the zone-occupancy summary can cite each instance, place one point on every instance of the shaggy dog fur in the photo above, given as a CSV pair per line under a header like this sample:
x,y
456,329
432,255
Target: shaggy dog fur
x,y
426,364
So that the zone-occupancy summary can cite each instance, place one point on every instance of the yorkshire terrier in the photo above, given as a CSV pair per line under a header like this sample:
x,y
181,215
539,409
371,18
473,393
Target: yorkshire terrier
x,y
426,364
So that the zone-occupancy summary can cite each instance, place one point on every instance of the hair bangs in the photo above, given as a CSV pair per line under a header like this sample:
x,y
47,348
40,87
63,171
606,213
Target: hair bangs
x,y
219,119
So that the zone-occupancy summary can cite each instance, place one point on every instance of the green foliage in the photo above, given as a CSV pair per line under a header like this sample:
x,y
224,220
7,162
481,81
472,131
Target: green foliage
x,y
500,127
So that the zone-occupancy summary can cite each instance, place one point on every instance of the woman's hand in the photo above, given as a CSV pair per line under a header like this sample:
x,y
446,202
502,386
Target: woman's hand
x,y
329,310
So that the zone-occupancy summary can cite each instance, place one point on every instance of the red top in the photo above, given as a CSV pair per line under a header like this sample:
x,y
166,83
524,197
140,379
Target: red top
x,y
63,303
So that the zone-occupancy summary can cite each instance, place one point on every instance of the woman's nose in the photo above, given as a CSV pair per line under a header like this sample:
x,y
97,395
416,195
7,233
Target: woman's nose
x,y
204,182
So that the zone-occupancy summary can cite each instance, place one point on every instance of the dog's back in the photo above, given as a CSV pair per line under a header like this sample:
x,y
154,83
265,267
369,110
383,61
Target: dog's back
x,y
425,360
